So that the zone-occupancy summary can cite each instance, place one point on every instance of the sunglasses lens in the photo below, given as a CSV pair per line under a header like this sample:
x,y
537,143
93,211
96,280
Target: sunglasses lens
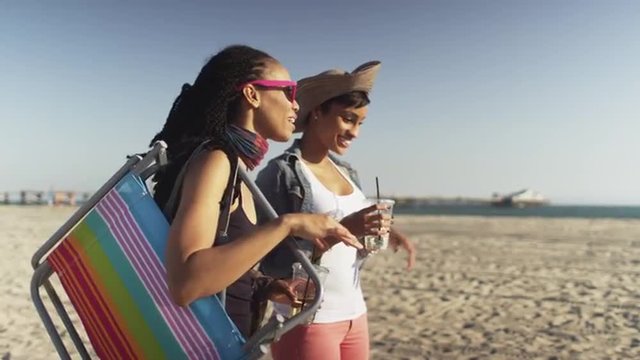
x,y
289,92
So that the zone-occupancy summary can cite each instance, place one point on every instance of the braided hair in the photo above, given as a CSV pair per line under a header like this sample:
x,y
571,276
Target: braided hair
x,y
202,110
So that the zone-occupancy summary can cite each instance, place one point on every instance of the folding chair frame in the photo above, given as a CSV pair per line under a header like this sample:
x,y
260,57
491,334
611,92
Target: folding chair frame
x,y
144,167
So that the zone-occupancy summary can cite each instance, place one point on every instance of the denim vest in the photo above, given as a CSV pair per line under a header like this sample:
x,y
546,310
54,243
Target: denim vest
x,y
288,190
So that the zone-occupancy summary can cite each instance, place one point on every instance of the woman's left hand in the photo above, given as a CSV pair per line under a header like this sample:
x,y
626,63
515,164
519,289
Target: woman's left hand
x,y
280,291
398,240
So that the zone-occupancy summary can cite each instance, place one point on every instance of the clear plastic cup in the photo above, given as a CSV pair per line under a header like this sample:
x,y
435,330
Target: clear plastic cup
x,y
375,243
304,287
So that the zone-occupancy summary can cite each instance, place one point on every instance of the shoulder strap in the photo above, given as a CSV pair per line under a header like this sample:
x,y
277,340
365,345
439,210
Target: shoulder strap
x,y
225,204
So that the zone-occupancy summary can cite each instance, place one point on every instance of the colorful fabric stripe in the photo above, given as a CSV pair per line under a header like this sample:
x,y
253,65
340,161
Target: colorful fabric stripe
x,y
111,266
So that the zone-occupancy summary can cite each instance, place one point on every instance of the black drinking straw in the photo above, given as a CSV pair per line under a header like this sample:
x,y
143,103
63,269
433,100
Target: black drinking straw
x,y
379,237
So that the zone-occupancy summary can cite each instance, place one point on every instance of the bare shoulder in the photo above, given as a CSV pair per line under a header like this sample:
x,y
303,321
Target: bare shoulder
x,y
194,226
207,177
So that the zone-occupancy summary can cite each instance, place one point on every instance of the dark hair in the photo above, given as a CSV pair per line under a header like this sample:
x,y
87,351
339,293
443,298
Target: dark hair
x,y
202,110
356,99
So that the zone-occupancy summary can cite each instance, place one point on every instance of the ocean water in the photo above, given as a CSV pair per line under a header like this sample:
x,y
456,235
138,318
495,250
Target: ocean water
x,y
552,211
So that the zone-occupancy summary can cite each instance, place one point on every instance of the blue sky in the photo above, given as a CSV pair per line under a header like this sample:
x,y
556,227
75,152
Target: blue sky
x,y
473,96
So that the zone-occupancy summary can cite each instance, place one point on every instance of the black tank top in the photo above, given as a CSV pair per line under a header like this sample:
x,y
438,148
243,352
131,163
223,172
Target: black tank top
x,y
240,293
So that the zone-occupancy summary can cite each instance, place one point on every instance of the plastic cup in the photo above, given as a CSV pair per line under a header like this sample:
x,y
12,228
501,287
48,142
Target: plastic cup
x,y
379,242
304,287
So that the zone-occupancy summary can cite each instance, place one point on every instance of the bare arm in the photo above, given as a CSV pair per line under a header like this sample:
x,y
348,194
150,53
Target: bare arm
x,y
398,240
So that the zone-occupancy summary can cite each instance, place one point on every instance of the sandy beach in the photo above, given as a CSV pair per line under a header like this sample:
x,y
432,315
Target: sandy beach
x,y
483,288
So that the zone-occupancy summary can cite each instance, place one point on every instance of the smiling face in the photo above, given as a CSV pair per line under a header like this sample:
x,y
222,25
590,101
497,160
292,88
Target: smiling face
x,y
337,126
275,114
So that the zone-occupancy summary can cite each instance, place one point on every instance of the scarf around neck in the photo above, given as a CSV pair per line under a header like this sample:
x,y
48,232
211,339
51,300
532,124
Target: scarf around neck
x,y
251,147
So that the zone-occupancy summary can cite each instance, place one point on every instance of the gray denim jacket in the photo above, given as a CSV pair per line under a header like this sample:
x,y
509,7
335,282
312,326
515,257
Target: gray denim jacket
x,y
288,190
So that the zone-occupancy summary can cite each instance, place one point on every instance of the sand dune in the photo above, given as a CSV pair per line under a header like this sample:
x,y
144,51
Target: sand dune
x,y
483,288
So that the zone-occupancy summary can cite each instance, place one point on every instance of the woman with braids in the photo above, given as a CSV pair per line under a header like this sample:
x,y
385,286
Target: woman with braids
x,y
241,97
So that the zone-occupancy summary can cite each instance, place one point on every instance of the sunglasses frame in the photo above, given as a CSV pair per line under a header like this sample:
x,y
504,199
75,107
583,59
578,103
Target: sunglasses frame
x,y
275,84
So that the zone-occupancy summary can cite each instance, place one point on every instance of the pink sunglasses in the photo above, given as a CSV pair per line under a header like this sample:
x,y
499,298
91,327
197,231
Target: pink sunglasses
x,y
287,86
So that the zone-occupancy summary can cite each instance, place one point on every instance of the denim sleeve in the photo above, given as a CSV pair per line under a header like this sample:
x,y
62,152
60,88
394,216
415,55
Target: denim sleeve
x,y
271,181
277,182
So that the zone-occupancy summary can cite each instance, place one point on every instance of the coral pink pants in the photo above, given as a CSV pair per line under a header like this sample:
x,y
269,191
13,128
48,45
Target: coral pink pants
x,y
333,341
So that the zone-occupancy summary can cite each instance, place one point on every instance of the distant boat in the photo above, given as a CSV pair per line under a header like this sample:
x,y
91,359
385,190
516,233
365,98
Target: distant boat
x,y
519,199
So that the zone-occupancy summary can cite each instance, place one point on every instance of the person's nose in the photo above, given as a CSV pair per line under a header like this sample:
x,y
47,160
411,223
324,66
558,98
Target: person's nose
x,y
353,131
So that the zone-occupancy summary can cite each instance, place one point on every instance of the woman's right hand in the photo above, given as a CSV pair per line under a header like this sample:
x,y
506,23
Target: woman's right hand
x,y
323,230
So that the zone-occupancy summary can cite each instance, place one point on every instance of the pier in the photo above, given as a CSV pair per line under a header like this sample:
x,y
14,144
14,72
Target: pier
x,y
38,197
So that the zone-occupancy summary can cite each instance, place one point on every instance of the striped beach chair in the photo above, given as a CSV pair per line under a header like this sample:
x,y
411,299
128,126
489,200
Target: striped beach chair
x,y
109,259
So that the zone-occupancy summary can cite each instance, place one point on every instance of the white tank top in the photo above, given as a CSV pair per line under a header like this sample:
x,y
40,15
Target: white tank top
x,y
343,298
